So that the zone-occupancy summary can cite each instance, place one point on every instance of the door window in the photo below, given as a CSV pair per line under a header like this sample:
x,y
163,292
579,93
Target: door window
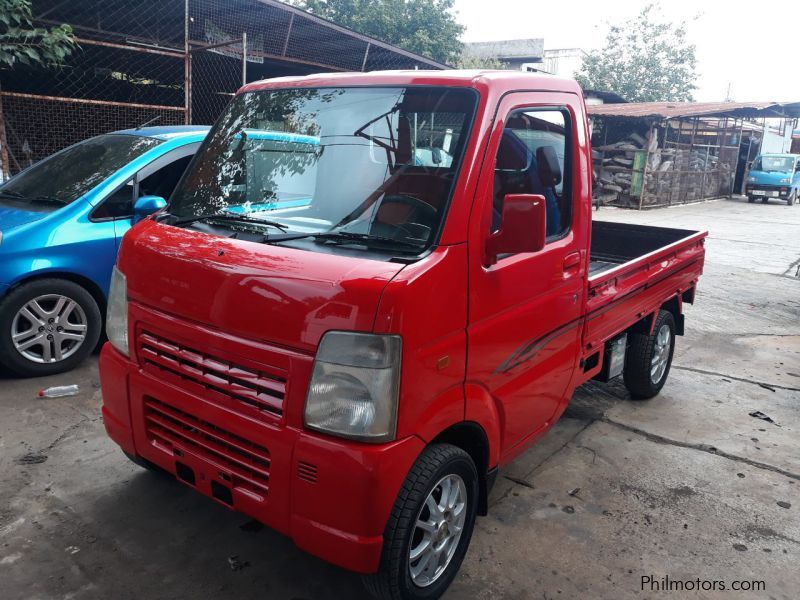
x,y
526,133
117,205
155,180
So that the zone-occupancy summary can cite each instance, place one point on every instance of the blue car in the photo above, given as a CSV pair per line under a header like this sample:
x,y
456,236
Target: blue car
x,y
774,176
61,223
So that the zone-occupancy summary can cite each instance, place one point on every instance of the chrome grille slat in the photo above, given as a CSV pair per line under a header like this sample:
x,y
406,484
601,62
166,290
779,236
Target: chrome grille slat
x,y
247,461
241,385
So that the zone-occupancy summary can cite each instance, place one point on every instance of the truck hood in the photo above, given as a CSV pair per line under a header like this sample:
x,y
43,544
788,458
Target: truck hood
x,y
768,177
269,293
13,217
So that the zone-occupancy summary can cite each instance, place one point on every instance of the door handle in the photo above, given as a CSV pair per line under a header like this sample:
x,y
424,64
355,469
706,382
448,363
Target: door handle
x,y
572,261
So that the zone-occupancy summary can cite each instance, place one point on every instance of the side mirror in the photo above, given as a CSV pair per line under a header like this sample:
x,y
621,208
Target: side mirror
x,y
146,206
523,227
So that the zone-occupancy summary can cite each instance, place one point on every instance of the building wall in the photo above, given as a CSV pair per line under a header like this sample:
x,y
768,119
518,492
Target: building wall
x,y
563,62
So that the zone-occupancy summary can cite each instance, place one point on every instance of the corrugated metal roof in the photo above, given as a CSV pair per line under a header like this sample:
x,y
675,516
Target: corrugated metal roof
x,y
672,110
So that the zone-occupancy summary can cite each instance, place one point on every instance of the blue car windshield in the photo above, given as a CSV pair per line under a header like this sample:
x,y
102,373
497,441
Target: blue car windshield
x,y
779,164
369,161
67,175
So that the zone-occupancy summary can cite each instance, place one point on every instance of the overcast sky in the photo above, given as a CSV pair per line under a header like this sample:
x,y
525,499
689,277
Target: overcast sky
x,y
753,46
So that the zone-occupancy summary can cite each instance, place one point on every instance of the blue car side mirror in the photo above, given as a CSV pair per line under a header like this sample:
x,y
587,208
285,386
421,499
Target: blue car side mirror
x,y
146,206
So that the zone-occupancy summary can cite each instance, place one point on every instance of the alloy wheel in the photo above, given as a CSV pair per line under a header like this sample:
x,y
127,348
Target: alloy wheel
x,y
49,328
438,529
661,350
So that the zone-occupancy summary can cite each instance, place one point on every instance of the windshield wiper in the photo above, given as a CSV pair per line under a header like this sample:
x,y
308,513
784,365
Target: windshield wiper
x,y
48,200
229,217
347,237
35,199
364,238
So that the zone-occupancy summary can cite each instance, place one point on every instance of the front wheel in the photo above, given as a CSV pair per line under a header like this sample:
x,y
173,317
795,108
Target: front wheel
x,y
47,326
430,527
649,358
751,199
792,197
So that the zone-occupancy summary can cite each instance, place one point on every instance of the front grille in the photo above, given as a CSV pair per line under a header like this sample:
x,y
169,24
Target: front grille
x,y
247,462
214,378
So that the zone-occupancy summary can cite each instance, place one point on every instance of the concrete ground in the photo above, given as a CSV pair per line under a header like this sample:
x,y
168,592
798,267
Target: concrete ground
x,y
686,485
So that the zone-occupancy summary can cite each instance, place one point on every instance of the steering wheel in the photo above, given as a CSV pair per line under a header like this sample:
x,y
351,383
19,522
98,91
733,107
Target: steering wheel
x,y
419,207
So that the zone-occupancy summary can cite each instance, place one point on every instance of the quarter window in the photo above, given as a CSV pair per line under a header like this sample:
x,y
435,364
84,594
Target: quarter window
x,y
526,134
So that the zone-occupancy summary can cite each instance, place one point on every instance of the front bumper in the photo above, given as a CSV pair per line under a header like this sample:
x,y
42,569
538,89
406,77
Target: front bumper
x,y
768,191
331,496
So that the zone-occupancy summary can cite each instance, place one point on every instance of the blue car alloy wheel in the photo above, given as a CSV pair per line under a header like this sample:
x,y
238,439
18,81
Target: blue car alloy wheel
x,y
47,326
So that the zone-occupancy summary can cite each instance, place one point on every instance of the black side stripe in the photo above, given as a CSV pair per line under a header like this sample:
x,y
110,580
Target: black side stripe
x,y
531,347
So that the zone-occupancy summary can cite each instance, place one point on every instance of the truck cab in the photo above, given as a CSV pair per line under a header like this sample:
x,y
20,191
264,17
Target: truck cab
x,y
774,176
353,368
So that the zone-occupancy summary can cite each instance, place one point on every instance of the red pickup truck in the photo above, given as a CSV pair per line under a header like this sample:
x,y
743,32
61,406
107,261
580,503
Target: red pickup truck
x,y
371,291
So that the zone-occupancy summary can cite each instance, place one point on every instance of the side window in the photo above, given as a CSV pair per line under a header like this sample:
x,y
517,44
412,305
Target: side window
x,y
117,205
157,179
163,181
527,135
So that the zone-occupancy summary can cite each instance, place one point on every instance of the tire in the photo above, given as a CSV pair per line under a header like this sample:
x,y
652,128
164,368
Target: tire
x,y
394,580
63,312
144,463
642,378
764,200
792,197
751,199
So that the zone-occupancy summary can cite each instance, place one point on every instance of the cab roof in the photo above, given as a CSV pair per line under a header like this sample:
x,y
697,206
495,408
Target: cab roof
x,y
502,81
192,133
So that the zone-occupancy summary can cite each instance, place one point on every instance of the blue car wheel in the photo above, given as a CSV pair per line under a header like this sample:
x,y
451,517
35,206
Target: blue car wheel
x,y
47,326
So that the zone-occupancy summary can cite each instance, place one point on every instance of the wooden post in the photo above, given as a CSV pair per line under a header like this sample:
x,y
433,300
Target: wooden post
x,y
6,168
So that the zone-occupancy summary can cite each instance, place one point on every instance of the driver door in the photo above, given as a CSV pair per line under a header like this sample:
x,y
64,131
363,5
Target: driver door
x,y
525,311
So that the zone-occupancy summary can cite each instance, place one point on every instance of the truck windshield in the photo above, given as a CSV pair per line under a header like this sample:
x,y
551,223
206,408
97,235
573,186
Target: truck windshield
x,y
67,175
376,162
781,164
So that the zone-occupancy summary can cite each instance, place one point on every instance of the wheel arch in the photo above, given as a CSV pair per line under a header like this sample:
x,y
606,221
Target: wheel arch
x,y
85,282
471,437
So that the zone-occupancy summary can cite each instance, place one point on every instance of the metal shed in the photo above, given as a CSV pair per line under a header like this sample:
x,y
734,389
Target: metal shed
x,y
655,154
178,61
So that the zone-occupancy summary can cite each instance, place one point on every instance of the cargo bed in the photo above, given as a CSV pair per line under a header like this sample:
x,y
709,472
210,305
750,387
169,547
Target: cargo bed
x,y
632,269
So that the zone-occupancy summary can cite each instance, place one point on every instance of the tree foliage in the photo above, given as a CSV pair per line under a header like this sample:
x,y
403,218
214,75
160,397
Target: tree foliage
x,y
644,59
427,27
22,43
470,61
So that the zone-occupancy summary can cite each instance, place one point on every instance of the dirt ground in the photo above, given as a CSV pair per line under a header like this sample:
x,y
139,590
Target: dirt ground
x,y
687,486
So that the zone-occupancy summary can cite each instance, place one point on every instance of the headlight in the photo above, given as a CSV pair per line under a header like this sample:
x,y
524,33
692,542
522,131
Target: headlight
x,y
354,386
786,180
117,314
751,179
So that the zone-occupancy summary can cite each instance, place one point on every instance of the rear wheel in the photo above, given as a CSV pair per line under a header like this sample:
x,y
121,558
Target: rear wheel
x,y
764,200
430,527
649,357
47,326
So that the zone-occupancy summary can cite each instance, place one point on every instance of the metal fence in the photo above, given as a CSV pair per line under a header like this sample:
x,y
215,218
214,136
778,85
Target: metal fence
x,y
175,61
650,163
